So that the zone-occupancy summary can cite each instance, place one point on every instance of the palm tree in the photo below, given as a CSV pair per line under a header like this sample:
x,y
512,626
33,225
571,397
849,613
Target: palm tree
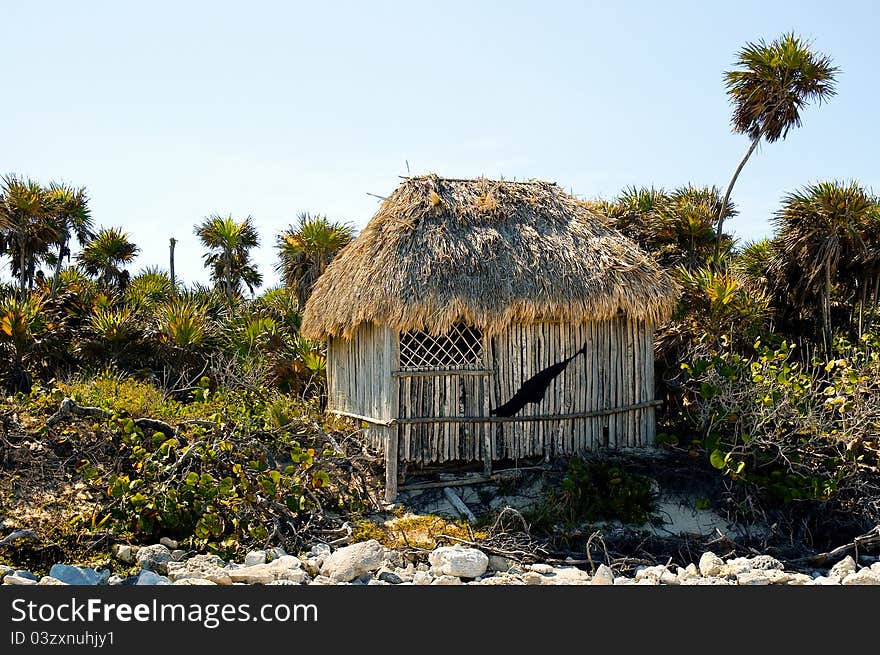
x,y
106,254
27,227
70,207
307,248
678,228
822,230
229,244
768,88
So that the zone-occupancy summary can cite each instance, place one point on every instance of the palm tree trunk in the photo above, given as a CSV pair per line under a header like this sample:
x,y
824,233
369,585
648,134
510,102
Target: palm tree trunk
x,y
22,273
57,275
727,195
826,308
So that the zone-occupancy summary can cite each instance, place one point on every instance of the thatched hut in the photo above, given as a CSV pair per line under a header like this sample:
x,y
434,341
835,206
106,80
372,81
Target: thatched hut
x,y
479,320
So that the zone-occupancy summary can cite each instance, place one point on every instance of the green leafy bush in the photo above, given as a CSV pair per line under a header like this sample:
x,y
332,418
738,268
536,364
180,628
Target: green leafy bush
x,y
595,490
794,425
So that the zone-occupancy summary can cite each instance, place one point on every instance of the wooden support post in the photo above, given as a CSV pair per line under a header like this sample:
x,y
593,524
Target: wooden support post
x,y
391,458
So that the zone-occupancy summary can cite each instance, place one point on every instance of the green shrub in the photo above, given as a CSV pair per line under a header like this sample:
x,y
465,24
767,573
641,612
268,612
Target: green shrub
x,y
595,490
793,425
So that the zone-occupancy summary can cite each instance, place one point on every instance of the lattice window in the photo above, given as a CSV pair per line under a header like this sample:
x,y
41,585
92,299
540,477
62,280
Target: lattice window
x,y
461,348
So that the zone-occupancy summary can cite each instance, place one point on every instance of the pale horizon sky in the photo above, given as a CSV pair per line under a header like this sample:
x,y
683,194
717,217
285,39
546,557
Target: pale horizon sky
x,y
169,111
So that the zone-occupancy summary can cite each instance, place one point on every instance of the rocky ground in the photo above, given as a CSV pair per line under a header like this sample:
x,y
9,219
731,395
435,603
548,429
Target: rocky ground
x,y
369,563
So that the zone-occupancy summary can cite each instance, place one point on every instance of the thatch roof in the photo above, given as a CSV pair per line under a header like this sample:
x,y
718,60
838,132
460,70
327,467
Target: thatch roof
x,y
489,253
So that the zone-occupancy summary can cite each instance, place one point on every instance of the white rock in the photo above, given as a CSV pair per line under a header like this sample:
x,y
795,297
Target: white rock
x,y
777,576
826,581
498,563
406,573
18,580
532,578
49,580
667,578
863,576
497,580
353,561
799,579
154,558
459,561
286,567
193,582
124,552
710,564
623,581
206,567
422,578
757,577
604,576
255,557
543,569
690,571
765,563
654,572
321,580
568,575
320,550
446,580
844,567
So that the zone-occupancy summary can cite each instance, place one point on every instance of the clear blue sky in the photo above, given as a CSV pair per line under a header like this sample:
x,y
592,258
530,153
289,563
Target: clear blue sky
x,y
169,111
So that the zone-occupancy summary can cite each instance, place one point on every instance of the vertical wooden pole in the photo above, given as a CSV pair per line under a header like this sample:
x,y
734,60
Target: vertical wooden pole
x,y
391,458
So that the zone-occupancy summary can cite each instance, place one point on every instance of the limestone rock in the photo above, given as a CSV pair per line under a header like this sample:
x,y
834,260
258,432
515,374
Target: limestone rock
x,y
422,578
568,575
765,563
754,577
710,564
170,544
446,580
125,553
255,557
18,580
150,578
350,562
206,567
459,561
863,576
844,567
603,576
193,582
543,569
49,580
286,567
532,578
154,558
78,575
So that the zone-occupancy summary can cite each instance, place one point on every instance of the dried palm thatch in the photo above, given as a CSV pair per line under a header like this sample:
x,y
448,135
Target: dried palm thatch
x,y
488,253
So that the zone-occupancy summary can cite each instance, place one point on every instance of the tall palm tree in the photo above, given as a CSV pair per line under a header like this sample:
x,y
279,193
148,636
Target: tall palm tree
x,y
106,255
821,231
768,88
229,244
29,229
307,248
70,208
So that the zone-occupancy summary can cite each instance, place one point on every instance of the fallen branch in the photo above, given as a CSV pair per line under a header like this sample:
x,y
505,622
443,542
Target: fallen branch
x,y
69,408
871,537
19,535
